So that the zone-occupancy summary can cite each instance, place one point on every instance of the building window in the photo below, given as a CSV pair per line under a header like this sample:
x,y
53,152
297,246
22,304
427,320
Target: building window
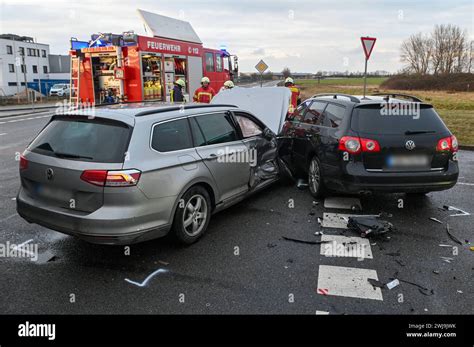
x,y
23,68
35,69
45,69
22,50
38,53
11,68
43,53
11,84
9,50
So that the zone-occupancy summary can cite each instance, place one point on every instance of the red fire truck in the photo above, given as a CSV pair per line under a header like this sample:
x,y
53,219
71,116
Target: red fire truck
x,y
110,68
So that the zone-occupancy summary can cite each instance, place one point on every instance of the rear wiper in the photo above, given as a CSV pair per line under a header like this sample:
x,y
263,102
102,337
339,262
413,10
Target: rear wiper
x,y
408,132
69,155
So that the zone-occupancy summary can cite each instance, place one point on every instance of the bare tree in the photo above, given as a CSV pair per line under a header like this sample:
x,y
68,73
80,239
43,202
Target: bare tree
x,y
446,50
450,49
417,52
286,72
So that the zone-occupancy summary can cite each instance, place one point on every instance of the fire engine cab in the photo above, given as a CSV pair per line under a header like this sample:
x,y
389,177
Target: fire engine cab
x,y
111,68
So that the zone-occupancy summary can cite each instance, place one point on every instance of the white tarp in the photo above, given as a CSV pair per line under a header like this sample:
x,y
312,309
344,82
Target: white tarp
x,y
168,27
269,104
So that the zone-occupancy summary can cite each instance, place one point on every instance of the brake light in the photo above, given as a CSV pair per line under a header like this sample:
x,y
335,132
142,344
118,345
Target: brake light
x,y
95,177
369,145
355,145
448,144
104,178
349,144
23,163
123,178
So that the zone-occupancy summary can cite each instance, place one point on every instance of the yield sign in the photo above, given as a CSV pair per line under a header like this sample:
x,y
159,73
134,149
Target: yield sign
x,y
261,66
368,45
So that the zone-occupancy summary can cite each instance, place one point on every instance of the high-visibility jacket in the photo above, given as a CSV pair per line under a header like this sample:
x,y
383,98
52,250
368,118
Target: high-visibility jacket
x,y
295,96
204,95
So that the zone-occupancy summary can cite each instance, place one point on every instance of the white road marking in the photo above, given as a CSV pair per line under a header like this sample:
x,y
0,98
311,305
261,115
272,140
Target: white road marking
x,y
337,202
339,220
21,120
343,246
143,284
466,184
3,134
347,281
7,218
322,312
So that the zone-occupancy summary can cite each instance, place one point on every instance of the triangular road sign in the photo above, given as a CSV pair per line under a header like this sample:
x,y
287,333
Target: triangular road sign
x,y
368,44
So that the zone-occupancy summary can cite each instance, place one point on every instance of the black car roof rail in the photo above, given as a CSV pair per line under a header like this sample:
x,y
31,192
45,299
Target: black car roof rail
x,y
177,108
395,95
335,95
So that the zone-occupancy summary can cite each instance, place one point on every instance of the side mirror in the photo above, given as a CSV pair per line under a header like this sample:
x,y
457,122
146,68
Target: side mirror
x,y
268,134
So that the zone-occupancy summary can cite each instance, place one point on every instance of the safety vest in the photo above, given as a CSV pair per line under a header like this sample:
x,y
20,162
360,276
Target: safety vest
x,y
204,95
295,94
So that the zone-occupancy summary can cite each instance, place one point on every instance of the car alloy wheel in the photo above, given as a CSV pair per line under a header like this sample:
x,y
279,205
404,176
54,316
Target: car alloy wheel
x,y
195,215
314,178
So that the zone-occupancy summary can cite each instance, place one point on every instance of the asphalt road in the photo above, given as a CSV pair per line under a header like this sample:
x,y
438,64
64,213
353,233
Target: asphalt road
x,y
267,275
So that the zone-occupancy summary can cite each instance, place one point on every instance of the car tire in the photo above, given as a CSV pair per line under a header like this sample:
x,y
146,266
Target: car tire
x,y
315,178
192,215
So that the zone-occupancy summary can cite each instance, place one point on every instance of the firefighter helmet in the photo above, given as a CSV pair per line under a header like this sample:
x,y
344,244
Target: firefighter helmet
x,y
229,84
289,80
180,83
205,80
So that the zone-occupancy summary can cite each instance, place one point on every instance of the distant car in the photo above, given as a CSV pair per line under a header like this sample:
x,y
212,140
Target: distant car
x,y
60,89
130,173
352,144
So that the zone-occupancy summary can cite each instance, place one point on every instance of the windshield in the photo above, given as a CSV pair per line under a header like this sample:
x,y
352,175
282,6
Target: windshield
x,y
76,138
58,86
373,119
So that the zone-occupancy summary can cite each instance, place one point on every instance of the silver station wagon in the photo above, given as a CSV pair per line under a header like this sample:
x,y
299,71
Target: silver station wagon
x,y
127,173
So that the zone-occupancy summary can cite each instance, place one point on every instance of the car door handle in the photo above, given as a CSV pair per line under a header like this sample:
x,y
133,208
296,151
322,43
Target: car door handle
x,y
211,156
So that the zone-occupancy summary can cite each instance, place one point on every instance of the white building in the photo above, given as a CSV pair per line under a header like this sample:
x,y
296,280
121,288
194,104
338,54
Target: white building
x,y
12,69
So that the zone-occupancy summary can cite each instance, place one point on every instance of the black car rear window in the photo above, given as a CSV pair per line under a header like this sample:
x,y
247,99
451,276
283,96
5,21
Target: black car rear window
x,y
79,138
372,119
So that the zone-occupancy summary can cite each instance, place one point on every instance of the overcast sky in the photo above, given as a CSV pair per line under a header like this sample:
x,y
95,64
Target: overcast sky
x,y
306,36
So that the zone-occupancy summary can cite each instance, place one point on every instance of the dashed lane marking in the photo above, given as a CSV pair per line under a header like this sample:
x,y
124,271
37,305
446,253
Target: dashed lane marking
x,y
24,119
347,281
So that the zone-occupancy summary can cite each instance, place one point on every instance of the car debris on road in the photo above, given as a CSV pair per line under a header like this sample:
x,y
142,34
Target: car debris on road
x,y
369,226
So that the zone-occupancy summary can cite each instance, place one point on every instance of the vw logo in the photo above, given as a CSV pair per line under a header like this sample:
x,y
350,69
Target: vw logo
x,y
49,174
410,145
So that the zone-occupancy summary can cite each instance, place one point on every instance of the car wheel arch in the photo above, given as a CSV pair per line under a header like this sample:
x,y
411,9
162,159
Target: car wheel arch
x,y
198,182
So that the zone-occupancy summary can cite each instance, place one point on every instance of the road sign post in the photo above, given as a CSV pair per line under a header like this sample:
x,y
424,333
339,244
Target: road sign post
x,y
261,67
368,44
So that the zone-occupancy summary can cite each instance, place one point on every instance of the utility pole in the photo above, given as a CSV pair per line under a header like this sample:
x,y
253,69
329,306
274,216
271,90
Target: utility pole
x,y
24,75
39,72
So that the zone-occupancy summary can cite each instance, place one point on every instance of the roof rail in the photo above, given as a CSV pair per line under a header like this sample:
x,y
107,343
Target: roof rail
x,y
335,95
395,95
177,108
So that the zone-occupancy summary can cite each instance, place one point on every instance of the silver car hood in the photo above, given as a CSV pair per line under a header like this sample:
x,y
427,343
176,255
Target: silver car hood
x,y
269,104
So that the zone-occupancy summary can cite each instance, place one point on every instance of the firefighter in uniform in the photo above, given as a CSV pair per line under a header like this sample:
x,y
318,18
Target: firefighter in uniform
x,y
228,85
176,94
295,94
205,93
